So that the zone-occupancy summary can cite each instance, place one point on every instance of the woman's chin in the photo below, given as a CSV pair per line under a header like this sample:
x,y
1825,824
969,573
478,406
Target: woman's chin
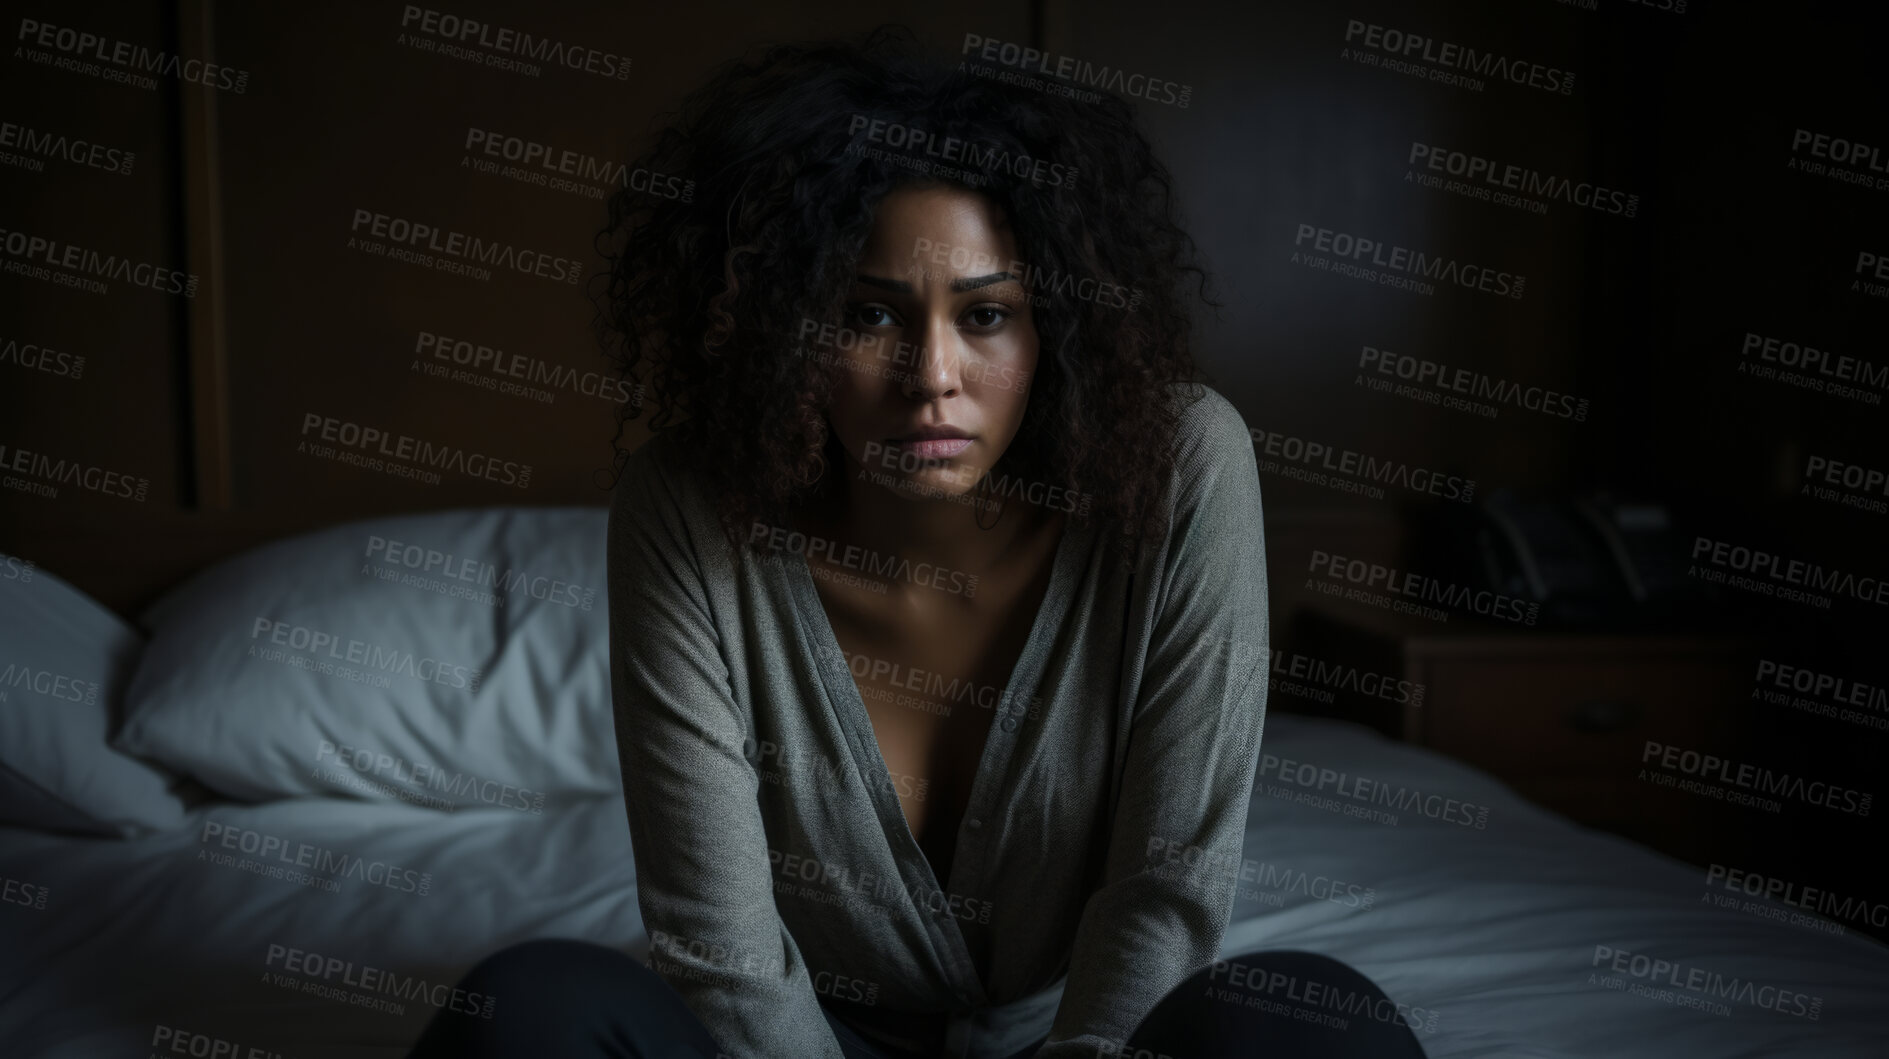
x,y
935,486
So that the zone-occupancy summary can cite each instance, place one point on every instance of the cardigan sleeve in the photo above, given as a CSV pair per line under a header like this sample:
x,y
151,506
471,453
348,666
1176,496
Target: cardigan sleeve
x,y
703,879
1193,741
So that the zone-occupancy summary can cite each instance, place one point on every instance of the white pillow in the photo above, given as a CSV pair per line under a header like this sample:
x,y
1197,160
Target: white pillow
x,y
64,660
452,659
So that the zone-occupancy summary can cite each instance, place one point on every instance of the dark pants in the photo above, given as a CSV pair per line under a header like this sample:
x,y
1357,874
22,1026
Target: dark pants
x,y
580,1000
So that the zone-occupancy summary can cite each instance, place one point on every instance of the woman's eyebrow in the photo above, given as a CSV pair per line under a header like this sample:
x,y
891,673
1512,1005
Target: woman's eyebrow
x,y
899,286
974,282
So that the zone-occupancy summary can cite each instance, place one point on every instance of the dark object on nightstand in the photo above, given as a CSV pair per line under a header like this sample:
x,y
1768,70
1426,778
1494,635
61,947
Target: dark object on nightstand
x,y
1565,718
1591,562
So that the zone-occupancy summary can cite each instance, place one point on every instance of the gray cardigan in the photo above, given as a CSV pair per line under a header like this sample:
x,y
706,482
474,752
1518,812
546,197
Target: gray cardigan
x,y
773,875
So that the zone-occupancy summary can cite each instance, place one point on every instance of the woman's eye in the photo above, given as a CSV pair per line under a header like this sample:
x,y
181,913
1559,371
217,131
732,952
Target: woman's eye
x,y
986,316
873,316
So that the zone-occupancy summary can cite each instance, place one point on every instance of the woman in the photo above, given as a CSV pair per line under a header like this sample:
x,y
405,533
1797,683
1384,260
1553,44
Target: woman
x,y
938,627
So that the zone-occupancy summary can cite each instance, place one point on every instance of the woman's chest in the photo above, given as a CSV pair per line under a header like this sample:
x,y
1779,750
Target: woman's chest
x,y
932,685
933,675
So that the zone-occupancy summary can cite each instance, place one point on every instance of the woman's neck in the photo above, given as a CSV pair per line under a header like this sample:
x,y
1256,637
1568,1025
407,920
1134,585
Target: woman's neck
x,y
942,530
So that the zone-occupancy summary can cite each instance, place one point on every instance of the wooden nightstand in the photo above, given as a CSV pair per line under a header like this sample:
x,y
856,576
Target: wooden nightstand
x,y
1564,718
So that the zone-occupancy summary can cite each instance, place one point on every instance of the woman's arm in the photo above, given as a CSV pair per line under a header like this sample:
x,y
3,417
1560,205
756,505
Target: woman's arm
x,y
1194,740
703,878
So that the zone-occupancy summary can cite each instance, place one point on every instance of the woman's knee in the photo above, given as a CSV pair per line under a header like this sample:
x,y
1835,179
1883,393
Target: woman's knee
x,y
561,982
1289,998
1283,969
565,997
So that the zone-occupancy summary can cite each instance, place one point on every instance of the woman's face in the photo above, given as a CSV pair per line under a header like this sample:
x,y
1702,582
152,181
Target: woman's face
x,y
937,342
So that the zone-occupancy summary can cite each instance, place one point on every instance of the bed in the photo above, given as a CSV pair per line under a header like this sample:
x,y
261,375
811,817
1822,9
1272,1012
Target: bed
x,y
225,873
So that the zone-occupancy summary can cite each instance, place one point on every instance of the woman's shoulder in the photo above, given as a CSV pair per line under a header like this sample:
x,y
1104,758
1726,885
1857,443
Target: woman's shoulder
x,y
655,495
1211,437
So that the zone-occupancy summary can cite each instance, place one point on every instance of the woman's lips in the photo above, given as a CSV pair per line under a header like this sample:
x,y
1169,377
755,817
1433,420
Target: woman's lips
x,y
935,448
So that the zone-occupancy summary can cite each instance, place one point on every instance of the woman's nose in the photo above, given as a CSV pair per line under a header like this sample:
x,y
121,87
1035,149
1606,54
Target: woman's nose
x,y
936,371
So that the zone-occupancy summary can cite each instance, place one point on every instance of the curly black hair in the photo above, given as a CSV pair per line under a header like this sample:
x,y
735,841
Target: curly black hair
x,y
709,282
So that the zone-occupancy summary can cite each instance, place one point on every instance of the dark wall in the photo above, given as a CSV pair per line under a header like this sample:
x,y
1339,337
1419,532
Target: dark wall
x,y
1692,113
88,376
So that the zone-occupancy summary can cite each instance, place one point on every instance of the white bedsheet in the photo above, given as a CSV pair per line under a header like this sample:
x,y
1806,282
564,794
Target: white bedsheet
x,y
1494,930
